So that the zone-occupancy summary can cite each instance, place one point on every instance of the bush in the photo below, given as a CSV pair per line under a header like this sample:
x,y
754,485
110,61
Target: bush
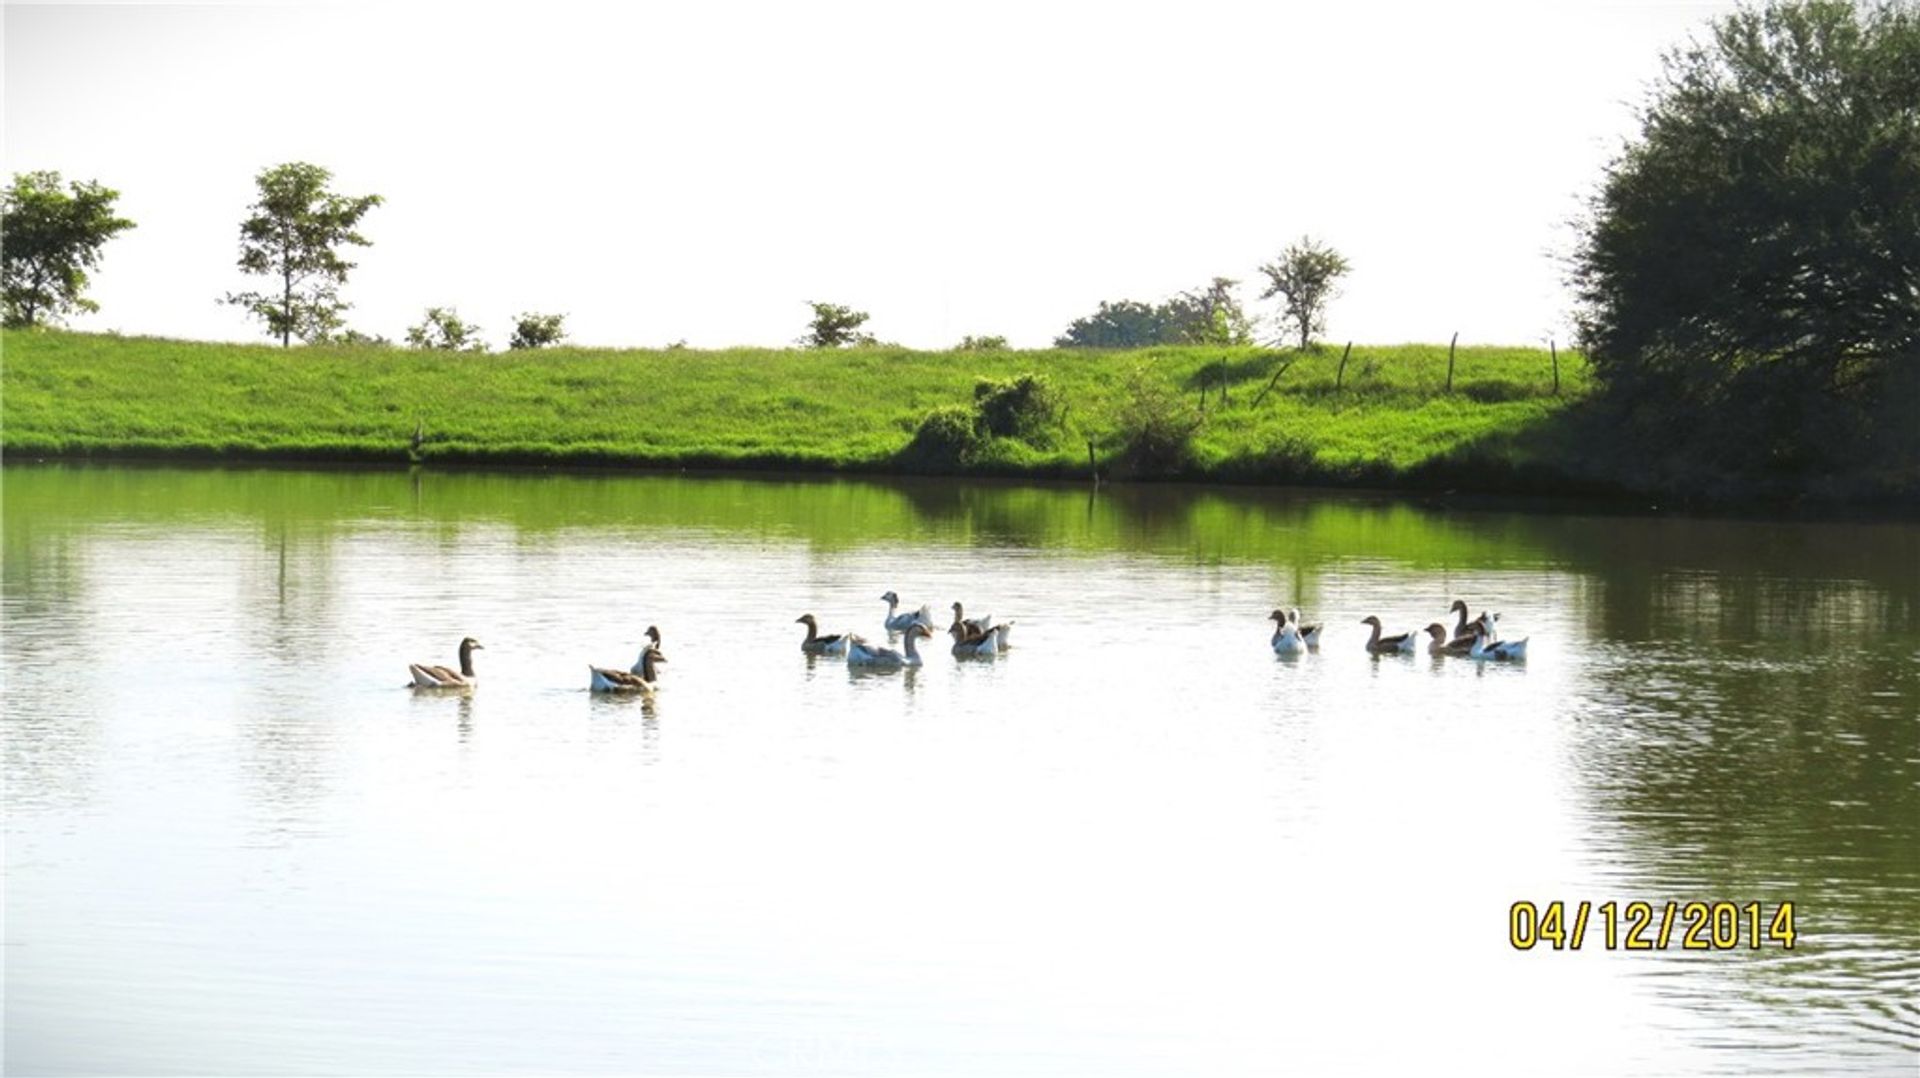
x,y
1156,430
946,438
1026,408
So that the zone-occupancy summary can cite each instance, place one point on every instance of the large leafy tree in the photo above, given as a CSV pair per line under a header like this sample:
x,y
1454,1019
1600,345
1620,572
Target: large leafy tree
x,y
1209,314
1751,263
1304,277
52,237
1126,323
294,237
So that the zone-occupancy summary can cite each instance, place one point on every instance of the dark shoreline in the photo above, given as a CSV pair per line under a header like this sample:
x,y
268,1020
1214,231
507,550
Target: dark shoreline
x,y
1539,492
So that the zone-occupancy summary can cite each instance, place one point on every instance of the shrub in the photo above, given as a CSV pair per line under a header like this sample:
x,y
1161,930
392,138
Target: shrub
x,y
946,438
1026,408
1156,430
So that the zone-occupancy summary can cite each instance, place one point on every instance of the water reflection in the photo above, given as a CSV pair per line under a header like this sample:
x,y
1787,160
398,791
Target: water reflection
x,y
1717,709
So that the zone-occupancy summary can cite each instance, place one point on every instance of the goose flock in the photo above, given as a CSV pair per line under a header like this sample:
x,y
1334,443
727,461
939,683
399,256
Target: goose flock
x,y
982,637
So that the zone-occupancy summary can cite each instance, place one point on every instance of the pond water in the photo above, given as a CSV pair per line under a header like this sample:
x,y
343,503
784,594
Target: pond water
x,y
1138,843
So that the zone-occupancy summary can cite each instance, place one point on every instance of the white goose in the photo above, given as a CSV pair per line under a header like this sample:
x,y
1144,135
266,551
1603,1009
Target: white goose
x,y
1308,633
1506,650
815,644
860,653
1401,644
439,677
979,645
899,623
642,678
1286,635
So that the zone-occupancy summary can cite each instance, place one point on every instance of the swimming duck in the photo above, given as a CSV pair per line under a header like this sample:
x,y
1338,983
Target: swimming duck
x,y
979,645
979,625
897,623
1507,650
439,677
1401,644
815,644
1439,643
1463,631
860,653
1308,633
1286,635
642,678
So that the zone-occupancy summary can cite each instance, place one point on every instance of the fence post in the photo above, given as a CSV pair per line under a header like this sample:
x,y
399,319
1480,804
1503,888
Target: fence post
x,y
1450,344
1556,365
1340,375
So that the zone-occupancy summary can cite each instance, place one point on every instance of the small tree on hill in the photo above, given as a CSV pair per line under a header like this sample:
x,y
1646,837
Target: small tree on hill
x,y
1304,277
443,331
293,236
1210,315
532,330
835,326
51,239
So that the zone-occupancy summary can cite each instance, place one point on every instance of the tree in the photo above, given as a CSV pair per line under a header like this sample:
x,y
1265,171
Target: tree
x,y
294,235
1127,323
52,238
532,330
971,343
1749,270
443,331
1210,315
1303,277
834,326
1207,315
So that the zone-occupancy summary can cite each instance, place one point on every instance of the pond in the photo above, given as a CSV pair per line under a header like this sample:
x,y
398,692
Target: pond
x,y
1139,842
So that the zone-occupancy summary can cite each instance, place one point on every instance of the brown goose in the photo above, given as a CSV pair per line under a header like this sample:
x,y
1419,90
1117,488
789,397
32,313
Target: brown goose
x,y
642,678
439,677
977,645
1464,631
815,644
1401,644
1439,644
980,626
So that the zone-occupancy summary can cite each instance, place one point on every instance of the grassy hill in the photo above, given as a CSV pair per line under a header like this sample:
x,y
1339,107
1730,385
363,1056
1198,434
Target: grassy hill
x,y
1390,421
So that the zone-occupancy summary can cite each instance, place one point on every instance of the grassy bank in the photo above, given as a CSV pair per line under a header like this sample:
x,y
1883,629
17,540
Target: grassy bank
x,y
1390,422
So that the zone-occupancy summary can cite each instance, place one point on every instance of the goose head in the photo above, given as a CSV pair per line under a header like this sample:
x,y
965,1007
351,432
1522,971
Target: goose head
x,y
1370,620
653,634
891,598
1293,614
1459,607
470,644
1438,632
1279,616
806,619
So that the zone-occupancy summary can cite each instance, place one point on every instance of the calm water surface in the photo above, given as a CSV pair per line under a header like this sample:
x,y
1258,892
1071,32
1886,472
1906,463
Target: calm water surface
x,y
1139,843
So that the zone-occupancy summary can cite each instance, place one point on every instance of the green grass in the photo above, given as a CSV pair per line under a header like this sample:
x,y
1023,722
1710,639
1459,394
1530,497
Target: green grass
x,y
1391,423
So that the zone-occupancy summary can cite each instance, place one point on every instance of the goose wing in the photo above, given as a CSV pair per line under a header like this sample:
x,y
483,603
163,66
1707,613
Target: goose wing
x,y
432,677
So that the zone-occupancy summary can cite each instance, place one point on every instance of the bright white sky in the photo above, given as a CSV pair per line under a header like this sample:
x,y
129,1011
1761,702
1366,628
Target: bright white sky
x,y
661,172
